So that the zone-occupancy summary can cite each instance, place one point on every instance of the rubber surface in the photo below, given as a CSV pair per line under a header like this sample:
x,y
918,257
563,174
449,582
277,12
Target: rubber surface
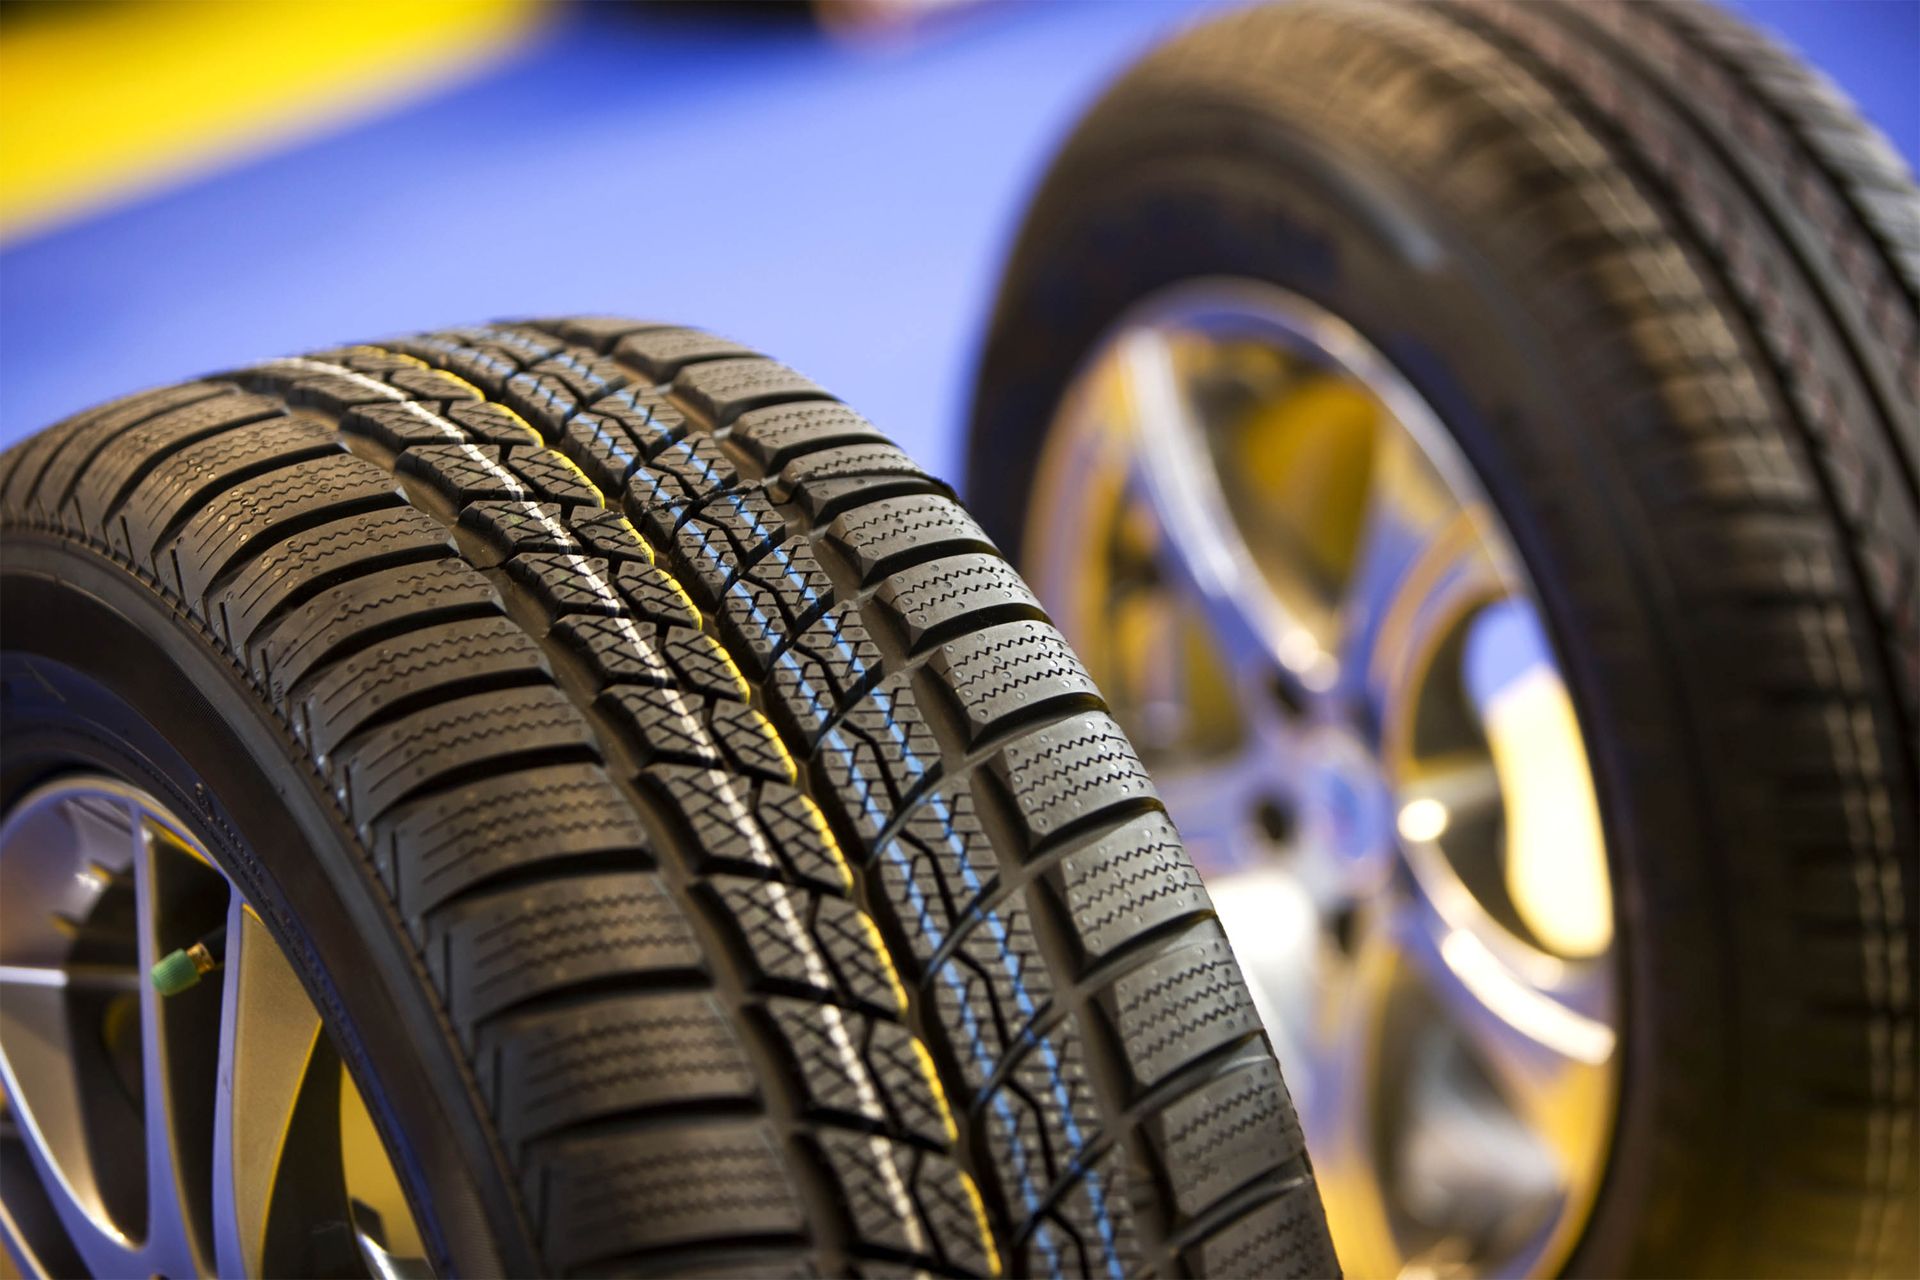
x,y
1663,285
789,897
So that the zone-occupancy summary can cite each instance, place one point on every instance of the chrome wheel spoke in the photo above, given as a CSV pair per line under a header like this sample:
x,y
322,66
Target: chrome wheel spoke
x,y
269,1033
1201,547
1402,513
1540,1029
1442,793
169,1055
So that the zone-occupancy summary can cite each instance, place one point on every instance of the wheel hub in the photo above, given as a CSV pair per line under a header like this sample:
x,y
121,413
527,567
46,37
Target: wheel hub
x,y
1346,809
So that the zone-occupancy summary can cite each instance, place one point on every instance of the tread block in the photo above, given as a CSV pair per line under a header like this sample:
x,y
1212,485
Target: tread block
x,y
775,435
48,464
882,537
753,831
612,1056
1005,980
467,354
432,849
458,474
1181,1005
799,938
779,596
549,475
617,649
597,332
950,1208
749,522
656,595
256,512
374,772
936,870
664,725
1097,1217
1283,1237
638,420
717,1181
721,390
876,1177
510,946
940,595
661,353
566,583
100,478
609,533
1235,1128
1131,882
828,1048
365,608
1011,670
509,527
397,426
822,668
367,684
877,756
1072,771
798,832
313,559
675,482
576,378
491,423
608,445
750,743
702,665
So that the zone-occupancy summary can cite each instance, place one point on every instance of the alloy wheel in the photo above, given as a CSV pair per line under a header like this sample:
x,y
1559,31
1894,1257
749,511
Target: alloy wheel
x,y
1281,568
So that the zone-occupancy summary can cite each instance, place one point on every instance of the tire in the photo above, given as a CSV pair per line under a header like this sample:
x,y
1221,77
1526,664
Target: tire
x,y
1662,286
707,856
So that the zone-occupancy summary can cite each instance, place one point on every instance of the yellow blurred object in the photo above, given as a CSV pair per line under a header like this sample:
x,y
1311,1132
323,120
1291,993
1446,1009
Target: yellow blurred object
x,y
1305,460
1556,852
100,99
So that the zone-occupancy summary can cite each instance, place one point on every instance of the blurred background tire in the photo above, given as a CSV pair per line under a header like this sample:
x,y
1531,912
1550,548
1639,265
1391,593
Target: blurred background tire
x,y
1474,446
700,851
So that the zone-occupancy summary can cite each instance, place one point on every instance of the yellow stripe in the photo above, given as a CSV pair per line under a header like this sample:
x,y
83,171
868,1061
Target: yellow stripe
x,y
601,498
879,945
819,821
979,1216
102,99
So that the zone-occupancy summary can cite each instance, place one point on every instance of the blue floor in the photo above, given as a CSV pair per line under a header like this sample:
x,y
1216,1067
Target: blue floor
x,y
843,209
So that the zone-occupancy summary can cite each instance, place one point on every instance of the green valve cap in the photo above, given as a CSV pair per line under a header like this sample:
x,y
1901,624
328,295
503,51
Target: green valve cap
x,y
180,970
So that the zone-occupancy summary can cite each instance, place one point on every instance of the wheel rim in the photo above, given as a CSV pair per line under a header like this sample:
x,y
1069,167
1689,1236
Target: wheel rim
x,y
213,1130
1282,571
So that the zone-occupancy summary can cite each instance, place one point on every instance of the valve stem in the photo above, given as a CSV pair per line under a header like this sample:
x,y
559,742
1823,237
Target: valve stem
x,y
181,969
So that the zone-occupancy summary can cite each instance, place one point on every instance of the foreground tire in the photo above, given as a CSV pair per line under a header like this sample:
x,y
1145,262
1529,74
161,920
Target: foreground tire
x,y
1635,292
705,855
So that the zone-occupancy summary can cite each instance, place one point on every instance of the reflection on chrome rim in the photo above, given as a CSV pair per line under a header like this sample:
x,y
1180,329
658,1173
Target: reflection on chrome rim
x,y
1279,567
210,1130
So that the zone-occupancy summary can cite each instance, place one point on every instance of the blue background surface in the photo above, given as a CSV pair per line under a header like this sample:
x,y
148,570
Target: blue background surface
x,y
844,209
